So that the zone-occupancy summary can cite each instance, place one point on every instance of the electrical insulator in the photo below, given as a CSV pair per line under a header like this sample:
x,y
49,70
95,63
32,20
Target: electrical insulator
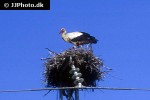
x,y
76,76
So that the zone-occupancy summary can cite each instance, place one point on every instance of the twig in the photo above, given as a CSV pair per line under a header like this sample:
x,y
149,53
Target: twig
x,y
51,51
45,58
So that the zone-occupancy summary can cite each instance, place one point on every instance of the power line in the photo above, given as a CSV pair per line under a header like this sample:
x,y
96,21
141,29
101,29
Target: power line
x,y
80,88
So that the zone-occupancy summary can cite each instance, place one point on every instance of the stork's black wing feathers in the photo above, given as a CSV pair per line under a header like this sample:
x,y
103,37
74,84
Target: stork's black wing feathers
x,y
86,38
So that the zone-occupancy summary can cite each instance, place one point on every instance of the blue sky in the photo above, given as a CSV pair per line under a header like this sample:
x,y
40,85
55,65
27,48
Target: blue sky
x,y
121,26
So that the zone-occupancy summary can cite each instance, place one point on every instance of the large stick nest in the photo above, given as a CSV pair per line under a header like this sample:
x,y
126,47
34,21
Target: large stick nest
x,y
57,67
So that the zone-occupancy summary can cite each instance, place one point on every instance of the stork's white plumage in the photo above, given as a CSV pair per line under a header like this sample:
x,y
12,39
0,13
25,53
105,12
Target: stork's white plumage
x,y
72,35
77,38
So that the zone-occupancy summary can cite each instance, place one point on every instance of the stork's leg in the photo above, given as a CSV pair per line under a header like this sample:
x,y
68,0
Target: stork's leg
x,y
74,47
80,46
77,47
89,47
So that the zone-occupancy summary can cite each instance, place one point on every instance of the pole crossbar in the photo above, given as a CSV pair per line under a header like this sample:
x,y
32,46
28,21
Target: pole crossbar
x,y
80,88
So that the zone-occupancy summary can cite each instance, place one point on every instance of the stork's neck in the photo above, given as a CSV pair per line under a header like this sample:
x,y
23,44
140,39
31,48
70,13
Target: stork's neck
x,y
64,34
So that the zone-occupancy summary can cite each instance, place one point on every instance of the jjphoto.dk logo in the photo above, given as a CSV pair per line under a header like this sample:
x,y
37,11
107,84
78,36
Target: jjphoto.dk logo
x,y
25,5
39,4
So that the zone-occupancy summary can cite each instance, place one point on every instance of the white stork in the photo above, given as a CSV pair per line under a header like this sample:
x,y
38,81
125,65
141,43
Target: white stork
x,y
77,38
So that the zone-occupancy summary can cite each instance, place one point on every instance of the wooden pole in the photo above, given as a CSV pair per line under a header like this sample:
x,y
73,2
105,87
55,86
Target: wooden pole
x,y
69,95
77,94
60,95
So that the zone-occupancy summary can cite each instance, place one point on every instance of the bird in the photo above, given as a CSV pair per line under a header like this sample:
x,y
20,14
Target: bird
x,y
77,38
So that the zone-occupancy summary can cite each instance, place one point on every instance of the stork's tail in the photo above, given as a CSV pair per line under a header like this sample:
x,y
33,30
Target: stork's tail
x,y
93,40
89,38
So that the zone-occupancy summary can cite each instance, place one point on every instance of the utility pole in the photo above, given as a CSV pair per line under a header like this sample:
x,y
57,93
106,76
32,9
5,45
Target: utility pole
x,y
60,95
77,94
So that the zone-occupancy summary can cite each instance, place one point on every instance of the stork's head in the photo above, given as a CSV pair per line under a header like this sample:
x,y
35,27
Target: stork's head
x,y
63,30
